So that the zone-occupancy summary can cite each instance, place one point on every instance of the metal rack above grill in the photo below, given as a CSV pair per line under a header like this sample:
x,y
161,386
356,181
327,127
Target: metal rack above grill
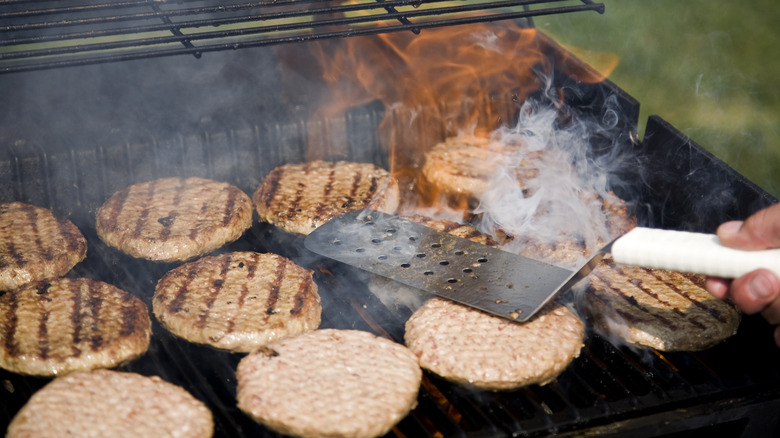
x,y
37,35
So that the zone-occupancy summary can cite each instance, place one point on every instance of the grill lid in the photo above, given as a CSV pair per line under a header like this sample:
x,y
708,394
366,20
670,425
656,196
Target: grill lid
x,y
37,35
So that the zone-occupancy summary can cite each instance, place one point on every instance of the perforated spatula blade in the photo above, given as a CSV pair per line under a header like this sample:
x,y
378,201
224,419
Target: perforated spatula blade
x,y
470,273
506,284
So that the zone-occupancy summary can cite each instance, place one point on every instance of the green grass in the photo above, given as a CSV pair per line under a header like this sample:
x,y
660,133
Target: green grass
x,y
710,68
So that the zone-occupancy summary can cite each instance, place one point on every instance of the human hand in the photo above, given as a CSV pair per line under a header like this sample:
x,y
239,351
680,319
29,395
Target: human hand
x,y
759,290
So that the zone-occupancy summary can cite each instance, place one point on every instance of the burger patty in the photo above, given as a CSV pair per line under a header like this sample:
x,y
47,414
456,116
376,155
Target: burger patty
x,y
68,324
174,219
664,310
35,246
300,197
334,383
465,165
237,301
105,403
471,347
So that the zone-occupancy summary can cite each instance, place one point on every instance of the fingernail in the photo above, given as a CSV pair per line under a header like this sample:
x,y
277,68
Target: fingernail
x,y
760,287
730,227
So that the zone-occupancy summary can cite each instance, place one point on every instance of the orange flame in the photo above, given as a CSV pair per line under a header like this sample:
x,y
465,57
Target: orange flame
x,y
445,81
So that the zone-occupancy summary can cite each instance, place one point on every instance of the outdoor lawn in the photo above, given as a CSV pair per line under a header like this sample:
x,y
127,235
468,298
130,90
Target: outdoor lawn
x,y
710,68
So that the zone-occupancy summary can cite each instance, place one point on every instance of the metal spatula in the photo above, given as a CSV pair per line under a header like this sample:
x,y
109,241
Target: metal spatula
x,y
502,283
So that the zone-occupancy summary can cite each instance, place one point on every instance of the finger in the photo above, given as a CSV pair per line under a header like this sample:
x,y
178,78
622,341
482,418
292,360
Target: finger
x,y
755,290
717,287
760,231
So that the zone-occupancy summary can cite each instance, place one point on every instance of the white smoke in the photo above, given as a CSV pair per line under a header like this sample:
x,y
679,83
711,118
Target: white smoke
x,y
548,183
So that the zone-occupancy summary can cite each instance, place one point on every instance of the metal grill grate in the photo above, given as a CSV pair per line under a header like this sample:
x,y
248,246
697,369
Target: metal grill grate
x,y
37,35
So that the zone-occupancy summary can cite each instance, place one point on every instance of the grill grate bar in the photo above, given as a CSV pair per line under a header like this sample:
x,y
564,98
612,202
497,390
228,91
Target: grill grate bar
x,y
52,37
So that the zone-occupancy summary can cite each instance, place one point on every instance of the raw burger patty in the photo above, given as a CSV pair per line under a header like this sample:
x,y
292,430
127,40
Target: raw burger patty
x,y
655,308
300,197
237,301
474,348
107,403
34,245
70,324
174,219
334,383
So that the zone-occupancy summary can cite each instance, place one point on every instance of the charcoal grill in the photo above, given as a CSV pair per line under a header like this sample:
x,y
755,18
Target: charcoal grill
x,y
70,156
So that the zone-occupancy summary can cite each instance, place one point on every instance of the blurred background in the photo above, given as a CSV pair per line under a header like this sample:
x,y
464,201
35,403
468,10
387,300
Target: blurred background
x,y
710,68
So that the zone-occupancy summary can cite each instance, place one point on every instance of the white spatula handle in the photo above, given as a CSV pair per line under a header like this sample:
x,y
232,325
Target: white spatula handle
x,y
690,252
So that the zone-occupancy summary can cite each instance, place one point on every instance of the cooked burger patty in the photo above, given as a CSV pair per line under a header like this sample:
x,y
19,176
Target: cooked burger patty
x,y
655,308
300,197
476,349
70,324
174,219
334,383
35,246
237,301
465,165
105,403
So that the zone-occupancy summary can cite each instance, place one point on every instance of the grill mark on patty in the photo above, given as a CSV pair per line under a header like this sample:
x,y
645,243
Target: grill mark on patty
x,y
116,204
76,320
32,219
356,178
141,221
175,306
629,299
250,270
292,211
15,254
167,221
271,186
371,189
229,205
130,317
43,330
703,307
66,232
216,288
320,212
300,296
9,340
273,293
95,304
204,208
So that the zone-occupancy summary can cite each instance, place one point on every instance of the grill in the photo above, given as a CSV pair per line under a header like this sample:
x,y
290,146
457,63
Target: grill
x,y
41,35
83,154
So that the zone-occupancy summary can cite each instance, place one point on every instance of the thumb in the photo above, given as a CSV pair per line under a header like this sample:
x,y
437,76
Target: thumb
x,y
759,231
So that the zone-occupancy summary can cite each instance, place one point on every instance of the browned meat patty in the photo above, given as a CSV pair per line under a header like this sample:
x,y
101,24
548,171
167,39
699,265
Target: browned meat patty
x,y
334,383
300,197
237,301
35,245
116,404
70,324
659,309
476,349
174,219
464,165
